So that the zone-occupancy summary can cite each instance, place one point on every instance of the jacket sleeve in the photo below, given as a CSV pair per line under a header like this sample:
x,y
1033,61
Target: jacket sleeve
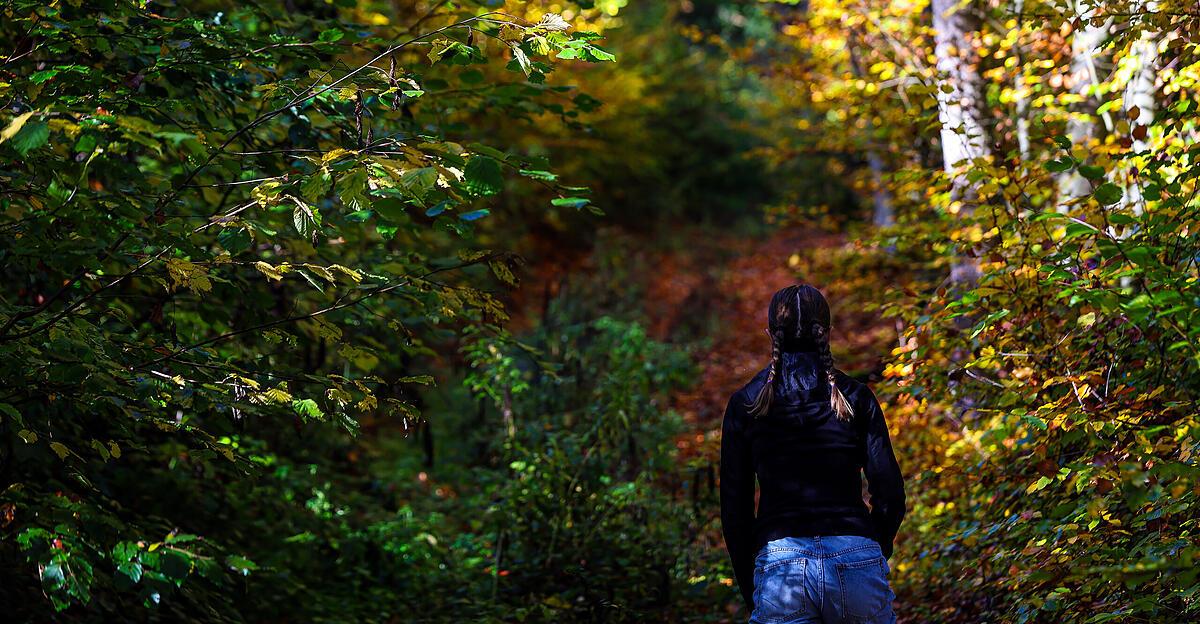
x,y
884,481
737,495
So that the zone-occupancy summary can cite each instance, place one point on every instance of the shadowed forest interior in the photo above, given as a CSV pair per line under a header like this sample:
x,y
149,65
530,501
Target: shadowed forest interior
x,y
429,310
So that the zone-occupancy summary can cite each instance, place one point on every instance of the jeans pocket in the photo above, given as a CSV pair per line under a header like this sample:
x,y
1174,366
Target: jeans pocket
x,y
864,588
780,591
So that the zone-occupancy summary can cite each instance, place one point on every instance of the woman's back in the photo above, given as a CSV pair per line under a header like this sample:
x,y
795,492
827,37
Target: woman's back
x,y
808,462
807,433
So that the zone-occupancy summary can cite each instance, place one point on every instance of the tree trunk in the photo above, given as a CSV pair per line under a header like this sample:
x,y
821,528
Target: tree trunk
x,y
884,215
960,96
1020,88
1081,128
1140,102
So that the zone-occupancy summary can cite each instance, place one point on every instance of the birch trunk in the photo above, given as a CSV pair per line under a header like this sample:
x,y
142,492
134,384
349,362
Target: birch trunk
x,y
1022,95
959,103
1140,96
1081,127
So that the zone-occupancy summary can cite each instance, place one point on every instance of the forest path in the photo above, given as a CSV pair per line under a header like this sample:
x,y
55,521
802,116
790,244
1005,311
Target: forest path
x,y
735,292
731,279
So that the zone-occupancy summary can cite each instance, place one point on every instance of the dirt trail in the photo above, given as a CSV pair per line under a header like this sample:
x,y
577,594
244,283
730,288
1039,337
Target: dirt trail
x,y
716,287
714,291
737,294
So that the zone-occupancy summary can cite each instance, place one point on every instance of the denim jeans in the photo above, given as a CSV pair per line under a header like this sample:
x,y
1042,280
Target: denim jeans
x,y
831,579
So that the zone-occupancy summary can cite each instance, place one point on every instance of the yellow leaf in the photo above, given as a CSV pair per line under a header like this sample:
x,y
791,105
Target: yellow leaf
x,y
188,275
15,126
60,449
271,272
510,33
333,155
351,273
321,272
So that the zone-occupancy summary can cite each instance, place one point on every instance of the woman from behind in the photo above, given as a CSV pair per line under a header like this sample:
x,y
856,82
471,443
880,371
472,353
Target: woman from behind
x,y
813,551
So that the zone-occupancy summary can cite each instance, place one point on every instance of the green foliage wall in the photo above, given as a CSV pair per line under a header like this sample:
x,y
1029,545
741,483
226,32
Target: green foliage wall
x,y
230,233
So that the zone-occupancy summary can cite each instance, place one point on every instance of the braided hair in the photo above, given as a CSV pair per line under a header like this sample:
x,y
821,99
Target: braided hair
x,y
799,320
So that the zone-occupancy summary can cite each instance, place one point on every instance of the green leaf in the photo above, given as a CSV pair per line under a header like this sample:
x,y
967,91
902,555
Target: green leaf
x,y
316,186
1108,193
597,54
482,176
1034,421
1091,172
1040,484
570,202
11,412
53,576
175,565
15,126
418,182
306,219
352,189
1078,229
235,240
308,409
241,565
391,209
539,175
43,76
480,148
521,58
125,551
131,570
1059,165
31,136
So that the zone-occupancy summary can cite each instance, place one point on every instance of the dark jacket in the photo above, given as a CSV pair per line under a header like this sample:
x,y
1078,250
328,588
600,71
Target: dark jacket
x,y
809,466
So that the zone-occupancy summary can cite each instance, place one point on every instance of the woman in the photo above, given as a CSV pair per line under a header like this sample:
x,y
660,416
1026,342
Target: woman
x,y
814,552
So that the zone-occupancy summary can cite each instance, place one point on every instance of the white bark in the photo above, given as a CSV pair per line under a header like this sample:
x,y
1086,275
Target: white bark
x,y
961,89
960,96
1022,96
1085,47
1140,93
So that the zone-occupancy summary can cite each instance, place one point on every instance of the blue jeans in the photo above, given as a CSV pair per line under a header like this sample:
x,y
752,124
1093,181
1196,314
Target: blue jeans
x,y
831,579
